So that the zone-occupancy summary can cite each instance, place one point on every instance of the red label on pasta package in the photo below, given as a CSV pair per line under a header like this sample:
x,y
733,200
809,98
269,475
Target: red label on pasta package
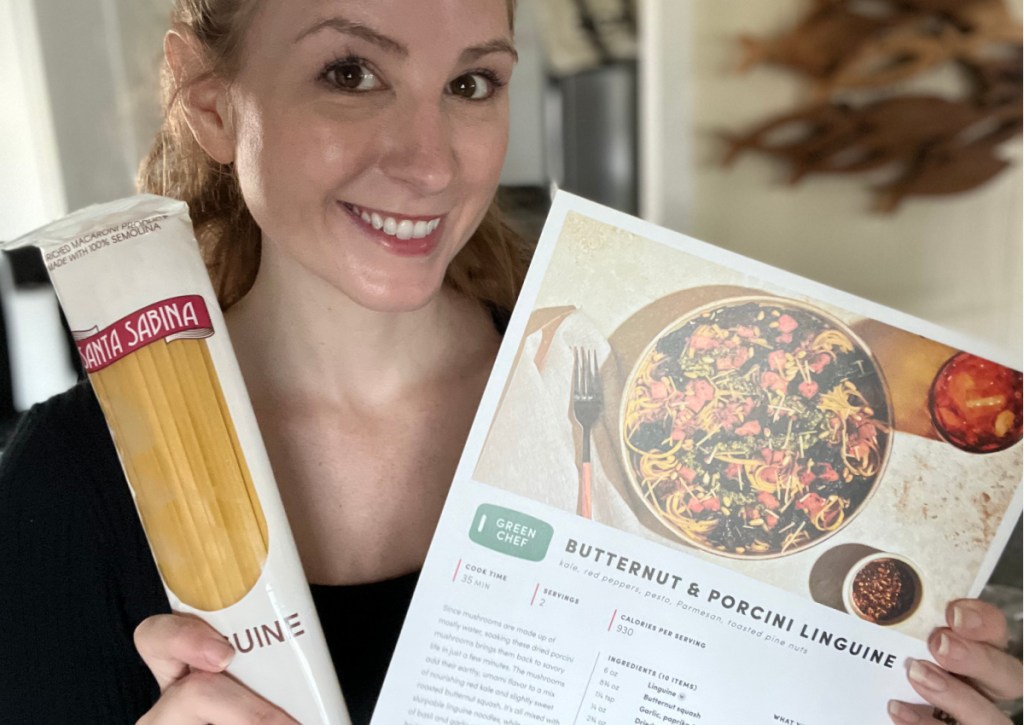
x,y
170,319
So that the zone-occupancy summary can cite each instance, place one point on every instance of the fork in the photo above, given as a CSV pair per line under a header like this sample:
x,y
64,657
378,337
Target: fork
x,y
586,407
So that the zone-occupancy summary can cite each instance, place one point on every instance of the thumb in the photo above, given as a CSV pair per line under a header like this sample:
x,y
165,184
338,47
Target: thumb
x,y
173,644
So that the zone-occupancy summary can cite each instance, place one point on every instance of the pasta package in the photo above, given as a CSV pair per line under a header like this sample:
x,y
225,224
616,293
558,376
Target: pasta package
x,y
134,289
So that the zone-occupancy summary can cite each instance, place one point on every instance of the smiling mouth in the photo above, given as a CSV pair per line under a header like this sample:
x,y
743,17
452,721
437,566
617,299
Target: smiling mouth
x,y
401,228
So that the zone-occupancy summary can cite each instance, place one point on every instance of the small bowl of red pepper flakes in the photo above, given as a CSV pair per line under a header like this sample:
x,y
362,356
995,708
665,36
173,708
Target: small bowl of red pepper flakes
x,y
883,588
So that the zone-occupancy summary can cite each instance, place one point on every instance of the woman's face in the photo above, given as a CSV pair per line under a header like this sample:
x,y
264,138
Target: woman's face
x,y
369,135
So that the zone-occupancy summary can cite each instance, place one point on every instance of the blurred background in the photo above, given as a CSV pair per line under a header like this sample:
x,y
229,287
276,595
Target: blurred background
x,y
635,104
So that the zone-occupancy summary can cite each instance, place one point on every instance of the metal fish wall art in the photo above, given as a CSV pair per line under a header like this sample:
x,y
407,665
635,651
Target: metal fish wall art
x,y
934,145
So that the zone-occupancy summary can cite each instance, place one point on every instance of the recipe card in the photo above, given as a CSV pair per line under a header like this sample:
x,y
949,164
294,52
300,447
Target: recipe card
x,y
700,489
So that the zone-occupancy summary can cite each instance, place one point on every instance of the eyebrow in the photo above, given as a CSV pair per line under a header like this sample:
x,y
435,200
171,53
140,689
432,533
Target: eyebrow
x,y
359,30
499,45
349,27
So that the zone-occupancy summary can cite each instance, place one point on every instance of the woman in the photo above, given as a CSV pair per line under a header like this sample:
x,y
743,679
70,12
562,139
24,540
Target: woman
x,y
340,159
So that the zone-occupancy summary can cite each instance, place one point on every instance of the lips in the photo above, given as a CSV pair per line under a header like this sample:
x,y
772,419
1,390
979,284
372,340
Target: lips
x,y
399,227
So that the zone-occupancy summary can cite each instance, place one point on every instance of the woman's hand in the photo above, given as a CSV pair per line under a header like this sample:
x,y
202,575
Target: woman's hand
x,y
188,657
974,669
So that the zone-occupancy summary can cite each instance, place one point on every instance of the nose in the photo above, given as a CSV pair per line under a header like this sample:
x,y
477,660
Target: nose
x,y
419,146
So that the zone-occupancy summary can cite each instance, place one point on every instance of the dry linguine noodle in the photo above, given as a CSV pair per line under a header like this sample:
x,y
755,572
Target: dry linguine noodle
x,y
174,434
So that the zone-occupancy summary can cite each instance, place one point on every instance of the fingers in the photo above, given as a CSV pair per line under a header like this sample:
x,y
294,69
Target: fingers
x,y
205,697
187,657
976,669
976,620
903,714
172,644
954,696
994,672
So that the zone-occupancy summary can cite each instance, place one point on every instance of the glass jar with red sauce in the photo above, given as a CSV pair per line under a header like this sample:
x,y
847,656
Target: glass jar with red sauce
x,y
975,404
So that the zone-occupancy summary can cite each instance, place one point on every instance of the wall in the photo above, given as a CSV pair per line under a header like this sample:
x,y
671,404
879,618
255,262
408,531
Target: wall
x,y
31,194
526,162
31,190
103,89
956,260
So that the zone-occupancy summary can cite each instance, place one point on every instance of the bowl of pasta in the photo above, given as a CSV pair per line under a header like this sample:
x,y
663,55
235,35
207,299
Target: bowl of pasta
x,y
755,427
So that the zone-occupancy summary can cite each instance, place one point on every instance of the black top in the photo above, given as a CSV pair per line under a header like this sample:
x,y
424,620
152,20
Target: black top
x,y
361,624
77,576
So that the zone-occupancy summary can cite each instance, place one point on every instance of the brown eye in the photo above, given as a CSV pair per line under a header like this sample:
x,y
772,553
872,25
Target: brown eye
x,y
351,76
472,86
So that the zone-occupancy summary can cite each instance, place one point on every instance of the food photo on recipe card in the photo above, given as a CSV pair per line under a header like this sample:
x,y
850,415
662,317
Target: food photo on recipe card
x,y
691,470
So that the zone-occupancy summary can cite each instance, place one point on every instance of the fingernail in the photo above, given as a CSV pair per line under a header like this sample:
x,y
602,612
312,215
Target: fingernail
x,y
926,676
965,617
903,713
218,653
949,647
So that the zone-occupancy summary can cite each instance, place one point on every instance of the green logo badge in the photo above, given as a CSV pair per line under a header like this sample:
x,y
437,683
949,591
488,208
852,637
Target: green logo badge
x,y
511,532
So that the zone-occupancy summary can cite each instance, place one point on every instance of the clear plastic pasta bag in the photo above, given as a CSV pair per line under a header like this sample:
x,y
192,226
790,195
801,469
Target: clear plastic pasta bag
x,y
151,336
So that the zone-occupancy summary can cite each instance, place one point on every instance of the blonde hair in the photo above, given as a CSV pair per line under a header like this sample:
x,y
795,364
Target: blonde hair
x,y
489,269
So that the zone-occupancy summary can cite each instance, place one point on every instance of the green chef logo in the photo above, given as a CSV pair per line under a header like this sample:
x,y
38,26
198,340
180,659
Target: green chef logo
x,y
511,532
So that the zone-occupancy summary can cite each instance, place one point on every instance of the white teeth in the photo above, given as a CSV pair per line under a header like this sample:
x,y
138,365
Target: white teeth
x,y
404,229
